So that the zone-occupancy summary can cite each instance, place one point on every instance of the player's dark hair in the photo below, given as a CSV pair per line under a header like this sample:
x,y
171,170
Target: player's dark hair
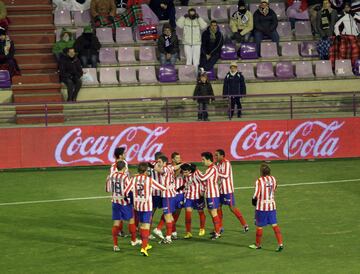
x,y
185,167
119,151
213,21
157,155
265,170
142,167
164,158
174,154
120,165
221,152
208,156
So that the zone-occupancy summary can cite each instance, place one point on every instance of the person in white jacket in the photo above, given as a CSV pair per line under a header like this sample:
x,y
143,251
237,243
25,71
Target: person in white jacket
x,y
347,23
192,26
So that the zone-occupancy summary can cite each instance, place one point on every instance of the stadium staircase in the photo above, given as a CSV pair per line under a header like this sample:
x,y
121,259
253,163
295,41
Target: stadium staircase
x,y
32,31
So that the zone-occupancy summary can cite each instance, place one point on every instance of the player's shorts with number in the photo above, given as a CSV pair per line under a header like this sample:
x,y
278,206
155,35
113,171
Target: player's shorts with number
x,y
169,205
121,212
197,204
213,203
180,200
264,218
227,199
144,216
157,201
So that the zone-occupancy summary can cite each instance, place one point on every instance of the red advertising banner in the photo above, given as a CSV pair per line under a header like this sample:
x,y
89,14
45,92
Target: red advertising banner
x,y
250,140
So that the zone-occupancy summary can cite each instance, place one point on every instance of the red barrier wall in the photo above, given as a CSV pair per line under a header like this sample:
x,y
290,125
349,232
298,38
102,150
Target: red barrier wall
x,y
251,140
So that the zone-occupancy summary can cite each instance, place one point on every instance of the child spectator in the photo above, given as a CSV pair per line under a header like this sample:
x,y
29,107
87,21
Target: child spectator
x,y
241,23
325,21
7,51
87,45
66,41
203,88
168,46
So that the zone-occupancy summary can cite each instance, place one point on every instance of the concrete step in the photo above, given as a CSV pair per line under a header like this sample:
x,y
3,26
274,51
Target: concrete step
x,y
35,38
39,119
21,89
29,9
40,19
31,29
34,48
38,98
43,58
38,68
36,109
35,79
26,2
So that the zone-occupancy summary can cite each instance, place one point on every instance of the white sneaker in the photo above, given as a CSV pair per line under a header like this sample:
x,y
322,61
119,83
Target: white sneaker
x,y
174,236
166,240
136,242
158,233
116,248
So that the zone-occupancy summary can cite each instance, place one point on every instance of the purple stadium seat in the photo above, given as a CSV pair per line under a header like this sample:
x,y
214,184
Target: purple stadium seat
x,y
180,11
279,9
105,35
219,13
284,70
147,74
90,77
124,35
187,73
253,7
149,16
290,49
232,10
248,51
203,12
107,56
269,50
167,73
284,30
225,29
247,69
343,68
222,70
302,28
62,18
323,69
57,34
127,75
304,69
356,67
228,52
82,18
308,49
147,54
265,70
211,74
78,32
108,76
126,55
5,80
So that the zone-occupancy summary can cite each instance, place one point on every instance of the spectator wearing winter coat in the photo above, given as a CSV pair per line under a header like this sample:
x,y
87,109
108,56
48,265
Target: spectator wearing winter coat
x,y
87,45
71,73
7,52
211,42
265,24
241,23
313,7
297,11
203,88
66,41
164,10
325,20
168,46
346,25
192,25
234,86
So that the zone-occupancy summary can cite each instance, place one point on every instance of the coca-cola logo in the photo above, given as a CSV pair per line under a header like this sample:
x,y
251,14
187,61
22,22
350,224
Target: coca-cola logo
x,y
139,141
295,143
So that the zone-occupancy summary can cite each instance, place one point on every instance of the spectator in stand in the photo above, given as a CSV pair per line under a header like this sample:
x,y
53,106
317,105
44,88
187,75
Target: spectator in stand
x,y
313,7
71,73
168,46
4,20
325,20
66,41
211,42
203,88
7,51
346,25
234,86
164,10
297,11
241,23
192,25
265,24
87,45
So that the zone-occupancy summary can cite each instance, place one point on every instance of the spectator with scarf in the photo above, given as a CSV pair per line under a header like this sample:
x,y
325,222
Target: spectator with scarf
x,y
241,23
325,20
168,46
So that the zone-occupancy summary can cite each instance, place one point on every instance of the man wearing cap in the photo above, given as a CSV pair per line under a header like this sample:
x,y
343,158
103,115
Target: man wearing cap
x,y
234,87
87,45
265,24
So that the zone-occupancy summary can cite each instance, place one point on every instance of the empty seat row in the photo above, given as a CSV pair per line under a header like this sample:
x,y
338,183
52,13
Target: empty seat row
x,y
64,18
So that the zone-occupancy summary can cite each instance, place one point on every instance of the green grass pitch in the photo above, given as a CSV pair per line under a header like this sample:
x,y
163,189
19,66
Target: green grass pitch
x,y
319,222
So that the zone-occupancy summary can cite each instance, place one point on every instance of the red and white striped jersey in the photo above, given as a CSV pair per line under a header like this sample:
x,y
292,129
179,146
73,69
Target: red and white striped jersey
x,y
118,181
226,180
193,186
141,186
265,193
167,179
210,181
113,168
156,176
179,182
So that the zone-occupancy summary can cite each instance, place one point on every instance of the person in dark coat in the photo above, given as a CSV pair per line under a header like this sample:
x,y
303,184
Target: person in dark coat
x,y
164,10
265,24
234,85
7,52
203,88
71,73
87,45
211,42
168,46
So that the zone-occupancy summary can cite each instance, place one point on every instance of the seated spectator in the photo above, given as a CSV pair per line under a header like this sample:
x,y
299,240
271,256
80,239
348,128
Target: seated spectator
x,y
87,45
241,23
346,25
265,24
313,7
168,46
7,51
66,41
325,21
71,73
164,10
211,42
297,11
203,88
4,20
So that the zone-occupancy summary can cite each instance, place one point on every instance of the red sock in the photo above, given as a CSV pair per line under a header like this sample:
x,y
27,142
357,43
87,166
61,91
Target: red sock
x,y
216,222
121,226
161,223
259,233
239,216
278,234
220,214
176,217
188,221
169,227
132,230
136,218
144,234
115,232
202,219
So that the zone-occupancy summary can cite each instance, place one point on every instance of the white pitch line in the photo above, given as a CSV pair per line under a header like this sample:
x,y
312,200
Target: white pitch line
x,y
103,197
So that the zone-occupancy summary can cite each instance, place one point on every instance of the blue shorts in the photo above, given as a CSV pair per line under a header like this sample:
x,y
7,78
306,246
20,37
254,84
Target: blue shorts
x,y
157,201
264,218
169,205
198,204
179,200
121,212
227,199
144,216
213,203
